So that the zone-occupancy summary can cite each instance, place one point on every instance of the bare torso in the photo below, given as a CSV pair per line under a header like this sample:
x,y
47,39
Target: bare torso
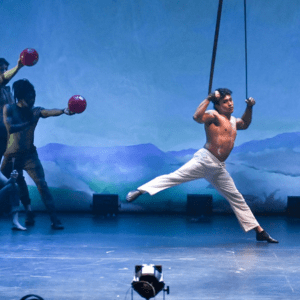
x,y
220,135
21,141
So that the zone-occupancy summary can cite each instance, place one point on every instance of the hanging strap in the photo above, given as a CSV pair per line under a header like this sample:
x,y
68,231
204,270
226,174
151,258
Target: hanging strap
x,y
246,58
213,59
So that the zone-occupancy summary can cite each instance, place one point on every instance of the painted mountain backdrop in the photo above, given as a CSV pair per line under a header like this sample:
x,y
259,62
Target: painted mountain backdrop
x,y
265,171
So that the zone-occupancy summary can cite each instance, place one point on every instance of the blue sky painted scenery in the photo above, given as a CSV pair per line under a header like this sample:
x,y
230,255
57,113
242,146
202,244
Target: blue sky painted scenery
x,y
143,67
265,176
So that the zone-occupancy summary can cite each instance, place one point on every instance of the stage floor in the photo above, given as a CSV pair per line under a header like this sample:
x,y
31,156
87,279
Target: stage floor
x,y
94,258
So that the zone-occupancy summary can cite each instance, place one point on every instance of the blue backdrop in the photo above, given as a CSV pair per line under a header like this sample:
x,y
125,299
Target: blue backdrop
x,y
143,67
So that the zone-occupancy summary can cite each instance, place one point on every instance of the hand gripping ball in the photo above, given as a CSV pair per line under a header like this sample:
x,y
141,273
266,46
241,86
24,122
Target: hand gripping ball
x,y
77,104
29,57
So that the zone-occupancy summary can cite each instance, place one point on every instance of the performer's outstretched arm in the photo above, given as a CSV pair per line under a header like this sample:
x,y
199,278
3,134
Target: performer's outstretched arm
x,y
9,74
45,113
245,121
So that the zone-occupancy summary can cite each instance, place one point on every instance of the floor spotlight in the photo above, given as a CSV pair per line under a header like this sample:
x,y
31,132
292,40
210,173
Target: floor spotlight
x,y
32,297
148,281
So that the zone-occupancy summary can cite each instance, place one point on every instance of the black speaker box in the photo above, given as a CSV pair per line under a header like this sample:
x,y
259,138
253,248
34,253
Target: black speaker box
x,y
104,204
293,206
199,205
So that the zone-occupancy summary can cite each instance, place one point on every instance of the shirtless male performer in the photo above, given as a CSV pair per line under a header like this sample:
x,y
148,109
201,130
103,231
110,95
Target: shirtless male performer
x,y
20,120
209,162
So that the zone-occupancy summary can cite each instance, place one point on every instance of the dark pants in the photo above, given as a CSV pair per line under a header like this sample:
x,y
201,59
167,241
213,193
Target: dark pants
x,y
3,142
32,165
9,191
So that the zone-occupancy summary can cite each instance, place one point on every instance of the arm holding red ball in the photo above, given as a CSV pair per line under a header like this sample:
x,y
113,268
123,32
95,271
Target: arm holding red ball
x,y
9,74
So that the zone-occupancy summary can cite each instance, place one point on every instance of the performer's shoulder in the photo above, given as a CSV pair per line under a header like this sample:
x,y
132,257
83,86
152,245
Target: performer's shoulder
x,y
37,108
10,106
212,112
3,82
233,120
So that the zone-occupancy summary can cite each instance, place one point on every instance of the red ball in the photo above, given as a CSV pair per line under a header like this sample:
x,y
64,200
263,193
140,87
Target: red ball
x,y
29,57
77,104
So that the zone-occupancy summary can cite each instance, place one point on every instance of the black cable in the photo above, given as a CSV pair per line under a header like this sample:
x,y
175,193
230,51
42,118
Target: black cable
x,y
213,59
127,293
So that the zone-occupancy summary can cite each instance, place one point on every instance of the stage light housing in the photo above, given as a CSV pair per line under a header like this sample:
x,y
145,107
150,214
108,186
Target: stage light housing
x,y
148,280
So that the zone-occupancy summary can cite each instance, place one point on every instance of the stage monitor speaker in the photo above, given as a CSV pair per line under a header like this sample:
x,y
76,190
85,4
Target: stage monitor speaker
x,y
105,204
293,206
199,205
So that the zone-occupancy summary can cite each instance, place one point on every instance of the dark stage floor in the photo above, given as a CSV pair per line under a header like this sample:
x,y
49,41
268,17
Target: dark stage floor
x,y
94,258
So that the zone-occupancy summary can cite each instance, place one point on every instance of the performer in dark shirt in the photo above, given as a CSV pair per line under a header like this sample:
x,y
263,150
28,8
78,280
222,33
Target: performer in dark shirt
x,y
20,120
5,97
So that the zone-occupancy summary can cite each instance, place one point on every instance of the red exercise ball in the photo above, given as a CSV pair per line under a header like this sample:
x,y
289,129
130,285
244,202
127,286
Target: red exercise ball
x,y
77,104
29,57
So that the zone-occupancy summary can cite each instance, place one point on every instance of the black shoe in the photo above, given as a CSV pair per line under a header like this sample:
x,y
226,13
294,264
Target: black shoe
x,y
132,195
29,218
56,225
264,236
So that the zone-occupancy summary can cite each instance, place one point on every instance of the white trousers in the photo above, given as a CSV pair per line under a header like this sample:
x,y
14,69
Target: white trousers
x,y
205,165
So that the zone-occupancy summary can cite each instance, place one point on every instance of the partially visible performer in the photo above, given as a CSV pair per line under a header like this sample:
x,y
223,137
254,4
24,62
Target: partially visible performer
x,y
5,97
20,120
9,190
209,162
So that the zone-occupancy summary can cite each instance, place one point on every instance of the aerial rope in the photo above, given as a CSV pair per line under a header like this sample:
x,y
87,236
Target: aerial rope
x,y
246,59
212,67
213,59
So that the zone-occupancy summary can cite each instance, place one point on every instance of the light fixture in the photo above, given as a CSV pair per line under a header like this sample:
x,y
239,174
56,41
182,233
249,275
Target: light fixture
x,y
148,281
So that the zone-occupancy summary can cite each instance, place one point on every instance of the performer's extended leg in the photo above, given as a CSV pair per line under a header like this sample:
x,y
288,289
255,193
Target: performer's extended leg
x,y
224,184
35,170
192,170
214,171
